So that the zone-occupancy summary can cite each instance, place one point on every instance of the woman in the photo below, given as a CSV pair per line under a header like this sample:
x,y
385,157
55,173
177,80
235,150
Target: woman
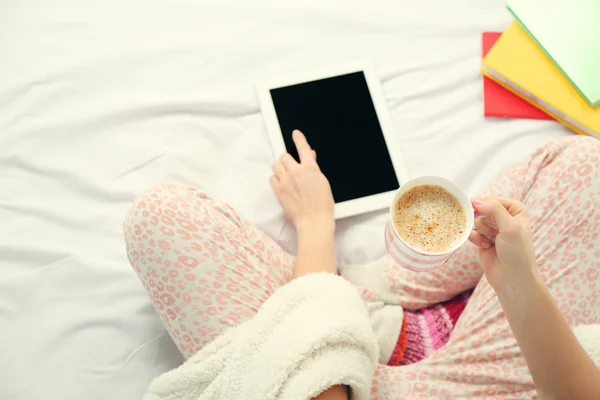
x,y
207,269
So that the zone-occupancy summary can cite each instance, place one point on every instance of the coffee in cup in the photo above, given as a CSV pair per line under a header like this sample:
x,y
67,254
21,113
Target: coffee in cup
x,y
429,218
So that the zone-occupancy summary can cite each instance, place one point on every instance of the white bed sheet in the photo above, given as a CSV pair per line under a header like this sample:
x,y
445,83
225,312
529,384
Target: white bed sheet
x,y
99,100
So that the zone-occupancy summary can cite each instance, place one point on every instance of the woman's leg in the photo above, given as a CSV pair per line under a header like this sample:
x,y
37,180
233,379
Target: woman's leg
x,y
560,185
204,267
395,285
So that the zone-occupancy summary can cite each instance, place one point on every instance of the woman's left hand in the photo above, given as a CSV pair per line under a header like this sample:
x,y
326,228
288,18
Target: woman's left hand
x,y
302,189
505,241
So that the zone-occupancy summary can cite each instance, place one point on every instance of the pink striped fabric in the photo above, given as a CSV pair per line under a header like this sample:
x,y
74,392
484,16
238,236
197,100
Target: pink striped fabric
x,y
410,258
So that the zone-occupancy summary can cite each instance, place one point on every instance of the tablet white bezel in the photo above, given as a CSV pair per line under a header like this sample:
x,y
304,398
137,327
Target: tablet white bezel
x,y
363,204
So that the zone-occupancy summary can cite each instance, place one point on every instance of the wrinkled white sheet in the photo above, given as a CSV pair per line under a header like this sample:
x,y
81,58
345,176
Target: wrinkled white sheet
x,y
100,99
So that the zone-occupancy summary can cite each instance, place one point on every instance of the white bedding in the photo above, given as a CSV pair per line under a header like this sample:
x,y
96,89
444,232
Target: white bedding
x,y
99,100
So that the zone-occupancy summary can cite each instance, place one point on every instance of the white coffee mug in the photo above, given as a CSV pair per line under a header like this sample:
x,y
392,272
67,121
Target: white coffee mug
x,y
412,258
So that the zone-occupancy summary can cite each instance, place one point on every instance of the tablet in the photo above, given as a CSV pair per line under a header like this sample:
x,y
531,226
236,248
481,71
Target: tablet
x,y
343,114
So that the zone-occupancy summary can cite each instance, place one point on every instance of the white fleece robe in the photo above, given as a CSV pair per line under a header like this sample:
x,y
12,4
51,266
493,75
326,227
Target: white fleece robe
x,y
313,333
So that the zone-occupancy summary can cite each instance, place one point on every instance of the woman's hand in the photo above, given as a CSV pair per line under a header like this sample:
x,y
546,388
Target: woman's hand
x,y
302,189
505,241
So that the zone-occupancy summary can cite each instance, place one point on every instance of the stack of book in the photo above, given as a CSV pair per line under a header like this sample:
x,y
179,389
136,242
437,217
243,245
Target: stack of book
x,y
550,58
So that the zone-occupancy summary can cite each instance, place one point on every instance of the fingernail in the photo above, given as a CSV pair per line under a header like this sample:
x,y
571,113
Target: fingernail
x,y
486,244
477,202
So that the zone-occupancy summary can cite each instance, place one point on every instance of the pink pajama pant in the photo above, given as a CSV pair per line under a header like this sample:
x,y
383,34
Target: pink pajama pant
x,y
206,269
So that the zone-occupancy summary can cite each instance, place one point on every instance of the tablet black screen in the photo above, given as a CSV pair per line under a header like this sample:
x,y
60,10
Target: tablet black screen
x,y
339,120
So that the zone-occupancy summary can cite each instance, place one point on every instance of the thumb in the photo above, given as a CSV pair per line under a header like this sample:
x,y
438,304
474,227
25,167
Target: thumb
x,y
495,210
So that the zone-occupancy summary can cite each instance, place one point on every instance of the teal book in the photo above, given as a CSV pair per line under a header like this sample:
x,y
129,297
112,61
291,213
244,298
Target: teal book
x,y
568,31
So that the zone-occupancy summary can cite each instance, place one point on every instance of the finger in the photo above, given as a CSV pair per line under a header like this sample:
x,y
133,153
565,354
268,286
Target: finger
x,y
485,228
489,222
278,170
275,184
304,150
288,161
495,210
479,240
514,207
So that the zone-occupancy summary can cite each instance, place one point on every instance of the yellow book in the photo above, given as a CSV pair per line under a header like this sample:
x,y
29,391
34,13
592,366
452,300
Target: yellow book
x,y
519,65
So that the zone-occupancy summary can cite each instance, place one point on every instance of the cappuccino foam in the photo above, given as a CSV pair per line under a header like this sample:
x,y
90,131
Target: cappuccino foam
x,y
429,218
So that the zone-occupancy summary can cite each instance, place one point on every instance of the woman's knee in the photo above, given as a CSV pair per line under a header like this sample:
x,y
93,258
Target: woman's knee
x,y
567,166
149,206
580,155
158,217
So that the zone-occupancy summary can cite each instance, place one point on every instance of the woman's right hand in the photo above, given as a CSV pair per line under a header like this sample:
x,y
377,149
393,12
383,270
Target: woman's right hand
x,y
302,189
505,241
305,196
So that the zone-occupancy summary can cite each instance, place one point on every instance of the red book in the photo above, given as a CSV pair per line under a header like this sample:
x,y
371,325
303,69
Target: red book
x,y
499,102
